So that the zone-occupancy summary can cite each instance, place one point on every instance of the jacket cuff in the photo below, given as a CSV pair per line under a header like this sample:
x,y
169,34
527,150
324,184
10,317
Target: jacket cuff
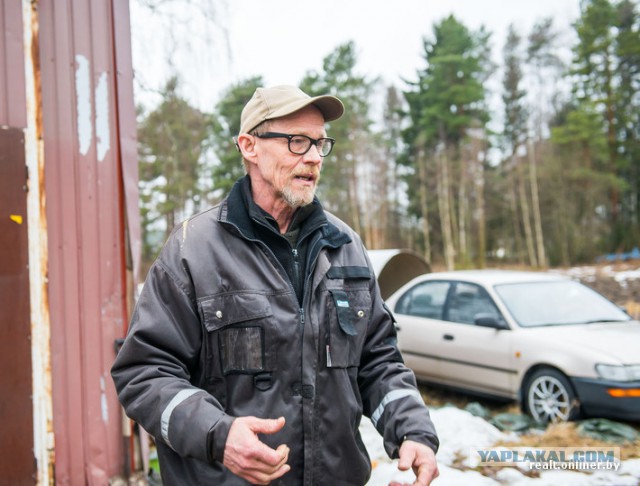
x,y
429,440
217,437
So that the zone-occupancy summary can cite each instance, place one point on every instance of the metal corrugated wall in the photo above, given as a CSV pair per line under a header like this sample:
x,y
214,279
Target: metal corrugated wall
x,y
16,412
87,273
12,86
74,116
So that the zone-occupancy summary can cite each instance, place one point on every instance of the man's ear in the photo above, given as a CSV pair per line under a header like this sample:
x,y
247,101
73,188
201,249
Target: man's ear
x,y
247,146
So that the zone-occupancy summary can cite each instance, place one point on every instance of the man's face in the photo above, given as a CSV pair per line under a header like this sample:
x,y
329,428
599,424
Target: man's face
x,y
284,177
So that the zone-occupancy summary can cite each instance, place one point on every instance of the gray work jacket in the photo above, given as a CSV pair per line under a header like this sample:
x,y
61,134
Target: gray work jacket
x,y
218,333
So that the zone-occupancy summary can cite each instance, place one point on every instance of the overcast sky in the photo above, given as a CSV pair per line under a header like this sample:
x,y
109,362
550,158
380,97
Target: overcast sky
x,y
283,39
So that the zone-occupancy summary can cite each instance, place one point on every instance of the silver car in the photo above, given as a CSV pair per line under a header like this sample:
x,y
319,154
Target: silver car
x,y
559,348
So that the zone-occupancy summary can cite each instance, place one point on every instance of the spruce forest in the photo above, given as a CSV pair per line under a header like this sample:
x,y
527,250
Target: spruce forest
x,y
522,158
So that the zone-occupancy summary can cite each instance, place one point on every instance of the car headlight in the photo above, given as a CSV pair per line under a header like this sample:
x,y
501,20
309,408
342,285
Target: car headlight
x,y
618,373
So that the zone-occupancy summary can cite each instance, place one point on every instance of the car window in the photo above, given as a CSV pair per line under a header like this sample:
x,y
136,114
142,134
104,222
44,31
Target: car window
x,y
467,301
557,303
424,300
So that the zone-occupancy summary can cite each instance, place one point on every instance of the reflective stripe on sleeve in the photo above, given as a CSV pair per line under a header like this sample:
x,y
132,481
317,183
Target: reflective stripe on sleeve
x,y
180,397
390,397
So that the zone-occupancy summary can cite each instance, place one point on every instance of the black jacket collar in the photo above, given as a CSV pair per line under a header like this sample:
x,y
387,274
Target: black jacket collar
x,y
240,211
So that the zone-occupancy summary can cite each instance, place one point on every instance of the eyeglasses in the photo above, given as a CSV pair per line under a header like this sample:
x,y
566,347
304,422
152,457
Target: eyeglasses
x,y
301,144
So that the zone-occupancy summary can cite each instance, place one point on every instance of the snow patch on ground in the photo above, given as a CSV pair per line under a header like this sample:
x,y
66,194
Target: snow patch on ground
x,y
459,432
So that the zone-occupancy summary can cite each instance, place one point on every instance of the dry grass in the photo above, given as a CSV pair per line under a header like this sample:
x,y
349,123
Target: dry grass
x,y
556,435
439,397
566,435
633,308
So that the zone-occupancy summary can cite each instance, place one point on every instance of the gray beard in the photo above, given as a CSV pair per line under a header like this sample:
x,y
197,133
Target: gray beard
x,y
297,200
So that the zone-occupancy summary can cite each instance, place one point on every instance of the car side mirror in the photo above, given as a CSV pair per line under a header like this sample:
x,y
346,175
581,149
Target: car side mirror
x,y
490,320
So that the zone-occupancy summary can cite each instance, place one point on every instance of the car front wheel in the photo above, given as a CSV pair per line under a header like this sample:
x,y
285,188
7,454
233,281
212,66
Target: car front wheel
x,y
549,397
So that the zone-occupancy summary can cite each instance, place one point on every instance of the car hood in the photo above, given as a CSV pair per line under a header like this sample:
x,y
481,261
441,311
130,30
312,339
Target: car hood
x,y
620,340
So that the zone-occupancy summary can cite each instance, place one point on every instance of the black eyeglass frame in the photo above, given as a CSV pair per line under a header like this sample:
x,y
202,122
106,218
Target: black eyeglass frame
x,y
289,137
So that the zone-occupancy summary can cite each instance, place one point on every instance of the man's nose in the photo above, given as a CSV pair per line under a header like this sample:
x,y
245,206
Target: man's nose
x,y
313,155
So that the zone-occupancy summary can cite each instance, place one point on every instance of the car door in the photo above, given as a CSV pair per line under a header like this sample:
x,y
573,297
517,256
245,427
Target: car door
x,y
472,356
418,311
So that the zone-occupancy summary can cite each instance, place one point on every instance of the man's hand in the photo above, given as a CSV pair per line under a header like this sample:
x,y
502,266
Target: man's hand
x,y
246,456
419,457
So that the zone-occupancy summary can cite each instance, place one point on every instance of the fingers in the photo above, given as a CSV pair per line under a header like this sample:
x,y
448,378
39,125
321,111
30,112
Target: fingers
x,y
421,458
260,476
263,452
265,426
284,451
259,472
248,457
407,457
426,474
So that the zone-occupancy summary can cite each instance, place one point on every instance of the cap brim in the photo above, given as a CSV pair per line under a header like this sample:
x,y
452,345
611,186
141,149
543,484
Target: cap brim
x,y
330,107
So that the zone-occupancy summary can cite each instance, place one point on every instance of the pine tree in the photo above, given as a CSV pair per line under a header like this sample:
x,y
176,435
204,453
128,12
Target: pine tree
x,y
447,111
225,126
172,140
341,186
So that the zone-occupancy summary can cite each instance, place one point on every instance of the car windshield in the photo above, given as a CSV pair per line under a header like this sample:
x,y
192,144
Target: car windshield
x,y
557,303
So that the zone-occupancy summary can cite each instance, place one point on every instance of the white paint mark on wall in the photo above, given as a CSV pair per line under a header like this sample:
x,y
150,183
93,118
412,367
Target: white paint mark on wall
x,y
102,117
103,401
83,107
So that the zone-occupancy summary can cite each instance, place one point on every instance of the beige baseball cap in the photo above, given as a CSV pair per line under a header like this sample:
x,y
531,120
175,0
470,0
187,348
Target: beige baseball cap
x,y
279,101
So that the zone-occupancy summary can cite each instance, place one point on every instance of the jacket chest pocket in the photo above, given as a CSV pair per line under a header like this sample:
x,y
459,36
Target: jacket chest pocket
x,y
237,327
349,310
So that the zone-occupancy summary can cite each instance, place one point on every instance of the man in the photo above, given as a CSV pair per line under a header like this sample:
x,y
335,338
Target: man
x,y
260,336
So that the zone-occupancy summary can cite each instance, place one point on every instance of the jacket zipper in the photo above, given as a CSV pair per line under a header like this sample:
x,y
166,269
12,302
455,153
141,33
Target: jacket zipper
x,y
314,251
305,286
296,269
285,276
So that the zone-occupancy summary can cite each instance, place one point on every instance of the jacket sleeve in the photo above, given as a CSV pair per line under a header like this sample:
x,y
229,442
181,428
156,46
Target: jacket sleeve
x,y
153,372
389,390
